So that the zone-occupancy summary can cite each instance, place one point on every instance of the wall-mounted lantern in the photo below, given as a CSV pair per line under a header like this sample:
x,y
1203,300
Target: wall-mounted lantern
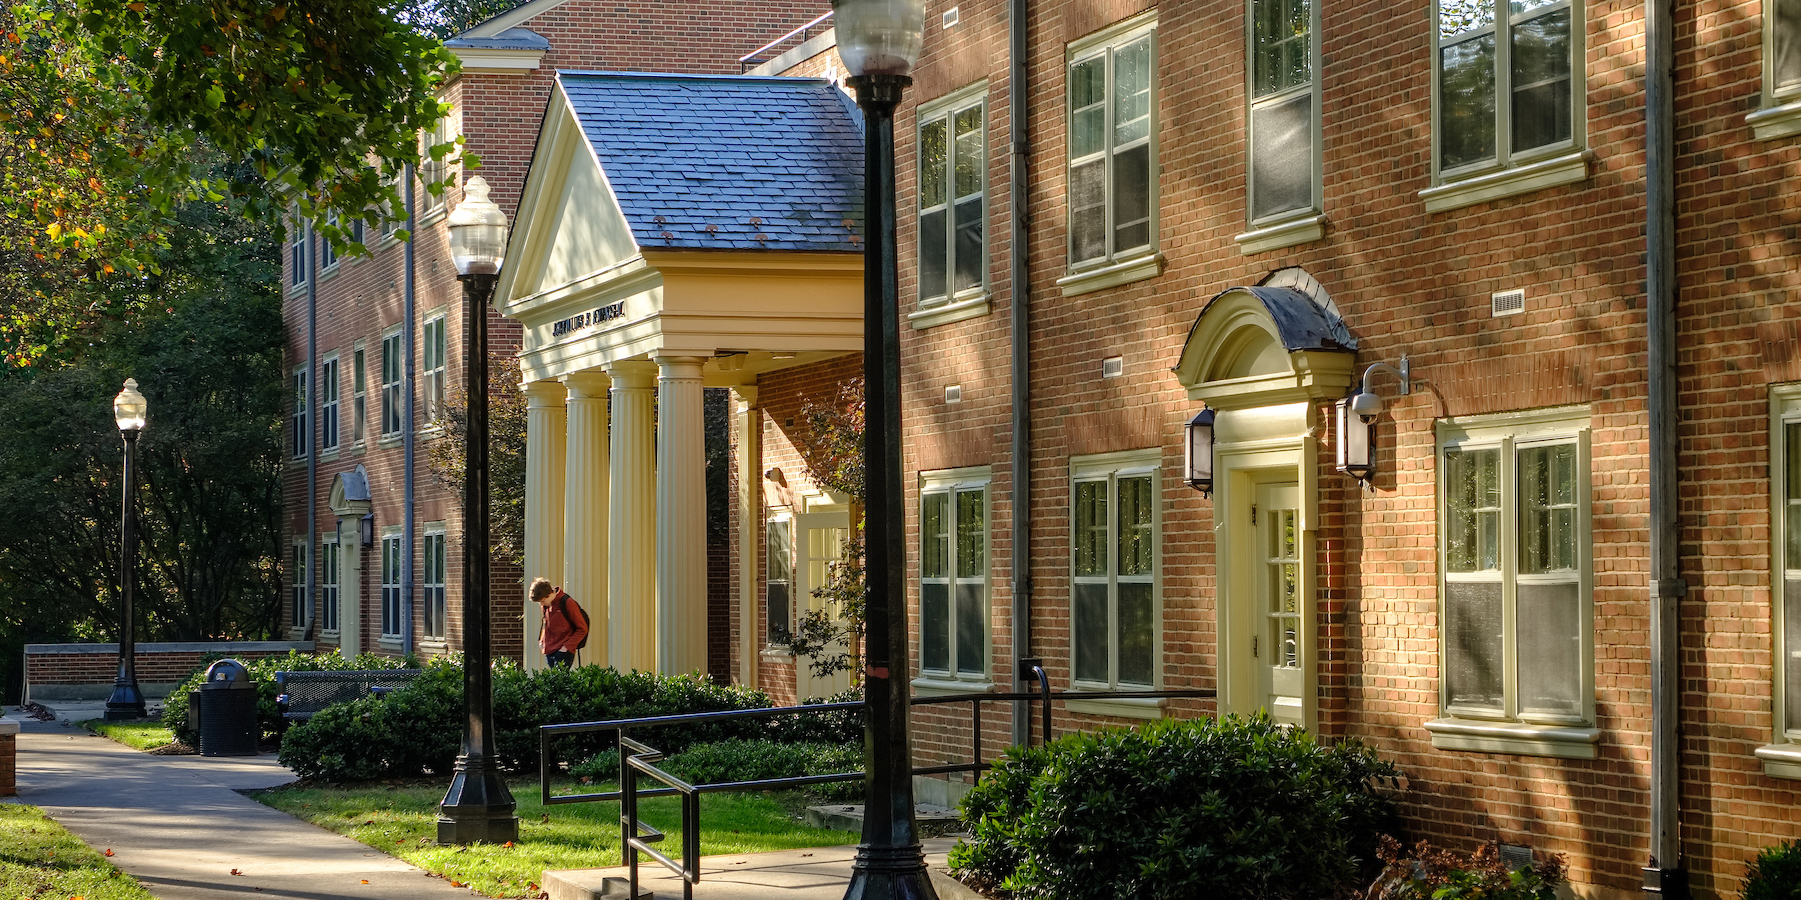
x,y
366,529
1357,423
1200,452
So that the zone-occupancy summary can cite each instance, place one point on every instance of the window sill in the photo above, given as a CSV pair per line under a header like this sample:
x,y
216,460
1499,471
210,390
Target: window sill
x,y
431,645
388,441
1124,707
429,432
1567,168
1776,121
944,314
430,216
326,456
1781,760
779,655
943,685
389,642
1138,268
332,636
1559,741
1292,233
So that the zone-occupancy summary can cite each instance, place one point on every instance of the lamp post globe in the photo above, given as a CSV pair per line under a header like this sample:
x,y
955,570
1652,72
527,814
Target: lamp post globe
x,y
879,42
130,412
478,807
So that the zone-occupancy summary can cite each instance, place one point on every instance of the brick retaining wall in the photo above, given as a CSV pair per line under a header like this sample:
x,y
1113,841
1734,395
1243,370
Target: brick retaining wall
x,y
9,758
86,671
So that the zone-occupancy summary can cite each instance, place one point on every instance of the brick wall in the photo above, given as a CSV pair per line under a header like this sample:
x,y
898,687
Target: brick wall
x,y
62,671
9,760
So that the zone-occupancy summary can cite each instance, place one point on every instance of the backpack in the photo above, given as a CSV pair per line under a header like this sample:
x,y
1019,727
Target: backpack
x,y
580,615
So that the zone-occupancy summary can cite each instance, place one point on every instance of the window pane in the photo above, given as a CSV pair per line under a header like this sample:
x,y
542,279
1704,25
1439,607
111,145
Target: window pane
x,y
932,251
972,535
1137,529
1541,81
781,552
969,156
1282,59
970,260
1548,541
1132,92
1282,156
1132,198
1135,630
1550,654
1785,44
1088,211
1472,510
1792,445
933,159
1091,528
778,609
1091,632
1473,669
1087,107
932,522
1466,102
935,626
971,616
1791,618
1458,16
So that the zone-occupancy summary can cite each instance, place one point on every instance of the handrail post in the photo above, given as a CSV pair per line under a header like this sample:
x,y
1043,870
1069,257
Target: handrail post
x,y
628,808
690,843
975,737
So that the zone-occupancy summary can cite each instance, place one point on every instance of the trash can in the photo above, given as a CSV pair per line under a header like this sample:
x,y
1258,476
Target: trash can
x,y
228,725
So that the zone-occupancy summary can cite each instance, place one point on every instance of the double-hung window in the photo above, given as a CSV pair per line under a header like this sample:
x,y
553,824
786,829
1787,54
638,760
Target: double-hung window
x,y
359,395
328,406
1115,531
1284,170
1112,154
436,166
328,254
433,369
953,574
329,560
1782,757
1509,85
1516,624
302,442
297,577
1780,115
432,586
391,566
779,577
953,189
297,238
392,401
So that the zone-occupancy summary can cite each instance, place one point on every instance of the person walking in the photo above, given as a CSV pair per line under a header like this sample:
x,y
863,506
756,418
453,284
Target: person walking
x,y
564,626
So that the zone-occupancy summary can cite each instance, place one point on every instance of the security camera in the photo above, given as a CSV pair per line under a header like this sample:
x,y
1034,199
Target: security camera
x,y
1366,406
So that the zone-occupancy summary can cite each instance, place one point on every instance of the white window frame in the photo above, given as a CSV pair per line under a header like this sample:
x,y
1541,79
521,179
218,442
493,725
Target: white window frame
x,y
330,574
434,586
300,598
393,393
1509,173
1109,468
359,394
953,305
1782,756
1117,265
330,425
434,368
784,517
430,206
955,676
1508,729
300,429
393,569
1290,227
1779,114
298,235
328,255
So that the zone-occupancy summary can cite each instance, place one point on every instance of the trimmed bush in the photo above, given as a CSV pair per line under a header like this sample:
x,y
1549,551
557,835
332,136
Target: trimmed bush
x,y
175,709
746,760
1231,808
1429,873
1775,874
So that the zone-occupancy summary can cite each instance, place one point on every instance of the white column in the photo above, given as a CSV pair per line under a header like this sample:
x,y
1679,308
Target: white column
x,y
546,431
748,422
632,544
681,516
585,493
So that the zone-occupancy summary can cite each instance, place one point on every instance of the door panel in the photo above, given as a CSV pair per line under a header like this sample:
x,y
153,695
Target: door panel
x,y
1280,645
818,542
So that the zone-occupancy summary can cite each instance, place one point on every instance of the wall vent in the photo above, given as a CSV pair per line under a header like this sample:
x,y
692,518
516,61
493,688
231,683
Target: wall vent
x,y
1516,856
950,17
1113,366
953,394
1506,303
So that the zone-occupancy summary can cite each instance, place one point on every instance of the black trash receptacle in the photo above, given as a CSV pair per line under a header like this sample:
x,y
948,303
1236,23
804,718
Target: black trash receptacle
x,y
228,725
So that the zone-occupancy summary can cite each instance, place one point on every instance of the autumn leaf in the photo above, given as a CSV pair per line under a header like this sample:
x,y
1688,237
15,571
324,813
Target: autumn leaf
x,y
109,851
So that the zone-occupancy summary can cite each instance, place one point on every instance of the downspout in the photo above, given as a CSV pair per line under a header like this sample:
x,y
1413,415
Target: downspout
x,y
312,432
406,438
1021,524
1664,873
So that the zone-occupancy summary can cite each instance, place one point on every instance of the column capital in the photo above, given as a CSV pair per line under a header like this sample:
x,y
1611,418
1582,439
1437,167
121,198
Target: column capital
x,y
747,394
587,385
679,367
546,394
633,374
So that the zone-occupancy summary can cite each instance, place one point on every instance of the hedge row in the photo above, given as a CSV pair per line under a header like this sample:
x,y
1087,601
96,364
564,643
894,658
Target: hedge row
x,y
262,671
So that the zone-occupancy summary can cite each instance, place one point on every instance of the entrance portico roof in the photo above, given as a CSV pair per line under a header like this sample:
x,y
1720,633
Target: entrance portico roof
x,y
678,215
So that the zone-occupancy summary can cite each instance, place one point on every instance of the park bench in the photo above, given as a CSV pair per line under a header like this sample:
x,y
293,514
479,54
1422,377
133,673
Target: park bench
x,y
305,693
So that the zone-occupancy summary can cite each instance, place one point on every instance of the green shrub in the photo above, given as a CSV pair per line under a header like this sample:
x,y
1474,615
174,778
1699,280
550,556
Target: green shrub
x,y
413,731
1232,808
746,760
1775,874
262,671
1429,873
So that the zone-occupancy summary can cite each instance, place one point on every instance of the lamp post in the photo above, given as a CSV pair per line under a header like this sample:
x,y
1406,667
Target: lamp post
x,y
478,807
127,702
879,41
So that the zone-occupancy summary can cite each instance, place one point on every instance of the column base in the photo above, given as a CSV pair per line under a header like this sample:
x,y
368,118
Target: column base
x,y
125,704
890,873
1668,884
478,808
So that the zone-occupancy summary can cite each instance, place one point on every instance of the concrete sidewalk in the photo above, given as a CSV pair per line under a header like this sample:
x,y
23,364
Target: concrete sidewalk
x,y
179,825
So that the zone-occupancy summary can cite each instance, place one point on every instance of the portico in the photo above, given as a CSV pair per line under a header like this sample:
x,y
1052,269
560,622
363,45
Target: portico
x,y
675,233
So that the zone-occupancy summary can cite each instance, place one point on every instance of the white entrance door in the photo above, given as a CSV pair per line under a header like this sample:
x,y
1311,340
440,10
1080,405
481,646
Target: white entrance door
x,y
819,539
1280,647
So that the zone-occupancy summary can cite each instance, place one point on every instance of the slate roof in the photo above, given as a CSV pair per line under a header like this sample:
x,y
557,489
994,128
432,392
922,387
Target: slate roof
x,y
510,39
1300,321
726,162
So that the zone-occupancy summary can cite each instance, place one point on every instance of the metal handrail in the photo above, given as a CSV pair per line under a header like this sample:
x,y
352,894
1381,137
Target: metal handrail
x,y
750,59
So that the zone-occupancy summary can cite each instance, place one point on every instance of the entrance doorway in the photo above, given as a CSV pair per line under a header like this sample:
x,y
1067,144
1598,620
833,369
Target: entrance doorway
x,y
1279,649
819,539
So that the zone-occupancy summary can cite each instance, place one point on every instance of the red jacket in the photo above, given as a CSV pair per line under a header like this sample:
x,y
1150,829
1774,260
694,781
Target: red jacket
x,y
564,625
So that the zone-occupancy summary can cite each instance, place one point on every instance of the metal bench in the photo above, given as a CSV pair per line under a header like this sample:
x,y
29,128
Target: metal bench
x,y
305,693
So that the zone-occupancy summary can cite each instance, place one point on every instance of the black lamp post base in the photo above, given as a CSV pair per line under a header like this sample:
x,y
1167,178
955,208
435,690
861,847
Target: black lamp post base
x,y
472,827
125,704
478,808
890,873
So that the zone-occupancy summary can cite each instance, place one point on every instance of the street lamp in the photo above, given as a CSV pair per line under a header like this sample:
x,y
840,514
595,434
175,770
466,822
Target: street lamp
x,y
478,807
879,41
127,702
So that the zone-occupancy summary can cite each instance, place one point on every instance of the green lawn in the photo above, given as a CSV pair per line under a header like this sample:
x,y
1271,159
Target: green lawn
x,y
40,859
401,820
141,735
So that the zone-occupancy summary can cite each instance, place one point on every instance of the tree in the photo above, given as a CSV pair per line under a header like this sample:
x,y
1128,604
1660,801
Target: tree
x,y
830,638
506,454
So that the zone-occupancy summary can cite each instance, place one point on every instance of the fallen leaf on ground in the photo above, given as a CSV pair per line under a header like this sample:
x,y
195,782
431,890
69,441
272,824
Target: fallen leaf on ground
x,y
507,844
236,872
109,851
365,881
